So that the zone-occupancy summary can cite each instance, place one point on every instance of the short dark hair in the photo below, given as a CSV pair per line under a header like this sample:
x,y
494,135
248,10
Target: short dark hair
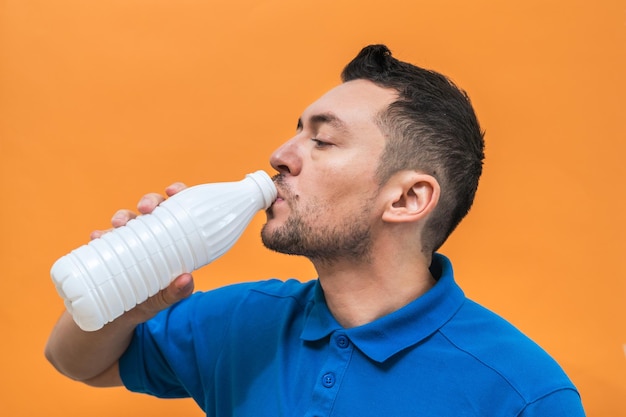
x,y
431,127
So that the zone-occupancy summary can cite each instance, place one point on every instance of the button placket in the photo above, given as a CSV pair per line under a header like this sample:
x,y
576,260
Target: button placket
x,y
331,374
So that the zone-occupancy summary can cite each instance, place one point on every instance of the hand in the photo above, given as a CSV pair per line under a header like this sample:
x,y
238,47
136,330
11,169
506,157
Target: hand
x,y
92,357
181,287
145,206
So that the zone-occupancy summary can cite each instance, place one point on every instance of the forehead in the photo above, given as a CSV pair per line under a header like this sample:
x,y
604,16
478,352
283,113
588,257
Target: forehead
x,y
353,102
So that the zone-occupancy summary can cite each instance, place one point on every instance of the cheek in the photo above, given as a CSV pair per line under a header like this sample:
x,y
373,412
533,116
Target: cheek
x,y
339,186
346,200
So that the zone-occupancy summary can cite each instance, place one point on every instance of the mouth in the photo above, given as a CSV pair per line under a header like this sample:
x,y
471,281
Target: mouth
x,y
279,198
282,191
278,201
279,193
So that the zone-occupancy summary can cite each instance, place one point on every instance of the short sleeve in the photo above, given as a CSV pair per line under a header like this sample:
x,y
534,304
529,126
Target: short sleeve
x,y
164,357
562,403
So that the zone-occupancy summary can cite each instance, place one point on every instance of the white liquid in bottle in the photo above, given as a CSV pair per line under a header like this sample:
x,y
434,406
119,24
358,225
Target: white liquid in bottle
x,y
110,275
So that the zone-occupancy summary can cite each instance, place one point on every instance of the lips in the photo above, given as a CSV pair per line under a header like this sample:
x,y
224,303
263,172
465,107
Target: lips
x,y
278,182
279,193
279,198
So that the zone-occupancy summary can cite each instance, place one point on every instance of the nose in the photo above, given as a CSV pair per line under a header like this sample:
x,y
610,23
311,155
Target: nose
x,y
287,158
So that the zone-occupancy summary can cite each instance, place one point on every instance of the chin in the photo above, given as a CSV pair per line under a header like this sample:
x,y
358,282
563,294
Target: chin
x,y
268,229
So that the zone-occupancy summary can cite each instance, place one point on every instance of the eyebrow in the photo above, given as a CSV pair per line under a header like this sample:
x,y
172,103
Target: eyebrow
x,y
328,118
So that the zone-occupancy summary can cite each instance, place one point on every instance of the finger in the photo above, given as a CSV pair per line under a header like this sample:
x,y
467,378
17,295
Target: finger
x,y
149,202
175,188
121,217
96,234
180,288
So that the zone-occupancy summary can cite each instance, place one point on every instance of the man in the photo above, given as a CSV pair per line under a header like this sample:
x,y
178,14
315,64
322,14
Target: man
x,y
380,171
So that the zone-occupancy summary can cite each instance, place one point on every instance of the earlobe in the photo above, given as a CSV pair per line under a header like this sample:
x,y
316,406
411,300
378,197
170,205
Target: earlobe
x,y
412,199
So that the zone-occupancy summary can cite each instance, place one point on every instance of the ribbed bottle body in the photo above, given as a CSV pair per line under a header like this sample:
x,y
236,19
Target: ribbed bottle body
x,y
110,275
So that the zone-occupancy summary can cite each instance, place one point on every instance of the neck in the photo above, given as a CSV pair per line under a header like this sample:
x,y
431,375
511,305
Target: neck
x,y
358,293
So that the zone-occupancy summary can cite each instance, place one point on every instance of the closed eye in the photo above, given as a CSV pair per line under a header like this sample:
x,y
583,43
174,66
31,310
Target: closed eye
x,y
320,143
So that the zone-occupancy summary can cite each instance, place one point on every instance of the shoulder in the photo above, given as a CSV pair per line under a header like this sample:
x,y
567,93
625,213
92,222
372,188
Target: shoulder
x,y
272,288
505,352
215,312
250,295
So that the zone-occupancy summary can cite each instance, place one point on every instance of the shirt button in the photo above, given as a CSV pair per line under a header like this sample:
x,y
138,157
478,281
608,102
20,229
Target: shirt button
x,y
342,341
328,380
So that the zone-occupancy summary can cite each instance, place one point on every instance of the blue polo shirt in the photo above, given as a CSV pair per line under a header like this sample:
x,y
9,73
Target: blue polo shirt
x,y
273,348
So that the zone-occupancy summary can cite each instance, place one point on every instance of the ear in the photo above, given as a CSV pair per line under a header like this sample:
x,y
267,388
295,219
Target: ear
x,y
413,195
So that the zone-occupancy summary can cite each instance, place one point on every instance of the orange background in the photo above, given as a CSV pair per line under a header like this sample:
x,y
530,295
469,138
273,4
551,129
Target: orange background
x,y
102,101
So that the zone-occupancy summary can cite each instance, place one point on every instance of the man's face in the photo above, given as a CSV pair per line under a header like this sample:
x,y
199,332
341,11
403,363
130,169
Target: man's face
x,y
326,185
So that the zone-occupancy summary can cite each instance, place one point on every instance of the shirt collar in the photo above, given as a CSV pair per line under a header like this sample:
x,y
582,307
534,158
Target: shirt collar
x,y
385,337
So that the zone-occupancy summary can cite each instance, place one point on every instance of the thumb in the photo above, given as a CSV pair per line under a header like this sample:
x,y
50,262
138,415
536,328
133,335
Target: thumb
x,y
180,288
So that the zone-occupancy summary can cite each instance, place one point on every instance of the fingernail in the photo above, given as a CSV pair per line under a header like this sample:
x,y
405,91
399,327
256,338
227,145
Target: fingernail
x,y
146,203
118,218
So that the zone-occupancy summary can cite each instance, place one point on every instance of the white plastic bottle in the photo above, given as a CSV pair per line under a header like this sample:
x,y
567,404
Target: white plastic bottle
x,y
110,275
